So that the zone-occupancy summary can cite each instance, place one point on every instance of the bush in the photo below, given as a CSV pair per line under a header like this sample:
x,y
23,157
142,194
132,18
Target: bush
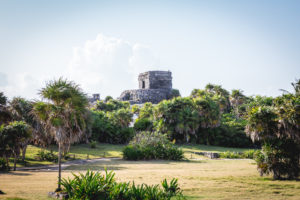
x,y
93,144
3,165
229,154
250,154
143,124
229,134
279,157
147,145
94,186
47,156
106,131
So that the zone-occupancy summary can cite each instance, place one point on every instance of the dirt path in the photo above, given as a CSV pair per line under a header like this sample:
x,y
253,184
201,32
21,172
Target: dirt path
x,y
54,167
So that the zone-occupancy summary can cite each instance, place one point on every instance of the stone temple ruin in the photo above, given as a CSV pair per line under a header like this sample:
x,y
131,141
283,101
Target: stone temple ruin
x,y
154,86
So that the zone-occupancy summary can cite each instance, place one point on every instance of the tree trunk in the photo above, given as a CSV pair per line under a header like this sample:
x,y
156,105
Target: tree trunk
x,y
15,162
24,152
7,162
59,166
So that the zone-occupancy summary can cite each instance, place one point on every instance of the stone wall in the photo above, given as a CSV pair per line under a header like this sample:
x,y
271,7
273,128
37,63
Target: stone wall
x,y
145,95
155,80
154,86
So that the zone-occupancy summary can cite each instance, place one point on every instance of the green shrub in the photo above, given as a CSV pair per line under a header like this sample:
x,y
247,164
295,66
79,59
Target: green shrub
x,y
250,154
109,131
3,165
143,124
91,185
93,144
94,186
147,145
47,156
229,154
279,157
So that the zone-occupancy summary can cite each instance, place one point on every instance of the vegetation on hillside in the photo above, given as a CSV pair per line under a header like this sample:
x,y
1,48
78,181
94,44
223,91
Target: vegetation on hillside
x,y
211,116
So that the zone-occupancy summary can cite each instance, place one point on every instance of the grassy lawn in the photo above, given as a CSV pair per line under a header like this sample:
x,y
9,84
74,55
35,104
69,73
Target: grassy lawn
x,y
83,151
207,148
202,179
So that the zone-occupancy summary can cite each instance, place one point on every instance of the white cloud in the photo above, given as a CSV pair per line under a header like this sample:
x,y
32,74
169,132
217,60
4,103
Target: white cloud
x,y
22,84
3,79
109,65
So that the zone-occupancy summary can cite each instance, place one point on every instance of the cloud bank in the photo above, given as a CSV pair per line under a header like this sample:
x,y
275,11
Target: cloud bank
x,y
109,65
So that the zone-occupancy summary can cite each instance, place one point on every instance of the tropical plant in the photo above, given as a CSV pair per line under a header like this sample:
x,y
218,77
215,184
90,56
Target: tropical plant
x,y
12,137
121,117
175,93
5,115
151,145
46,155
110,131
94,186
63,114
181,117
111,105
146,111
277,126
20,110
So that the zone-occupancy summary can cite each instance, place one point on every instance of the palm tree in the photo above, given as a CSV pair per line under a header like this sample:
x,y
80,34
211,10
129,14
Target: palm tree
x,y
12,138
62,115
5,116
20,110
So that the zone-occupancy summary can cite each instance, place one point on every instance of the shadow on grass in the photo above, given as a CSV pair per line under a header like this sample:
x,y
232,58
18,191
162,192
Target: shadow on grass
x,y
115,164
15,173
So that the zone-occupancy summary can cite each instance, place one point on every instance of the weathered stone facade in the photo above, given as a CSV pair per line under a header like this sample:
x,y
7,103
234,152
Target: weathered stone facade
x,y
154,86
94,98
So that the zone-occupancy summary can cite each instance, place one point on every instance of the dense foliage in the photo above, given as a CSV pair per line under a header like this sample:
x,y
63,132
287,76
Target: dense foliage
x,y
94,186
211,116
106,127
277,125
151,145
230,133
12,138
250,154
63,115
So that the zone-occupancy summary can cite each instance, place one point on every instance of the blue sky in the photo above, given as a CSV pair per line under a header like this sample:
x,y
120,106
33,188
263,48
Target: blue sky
x,y
103,45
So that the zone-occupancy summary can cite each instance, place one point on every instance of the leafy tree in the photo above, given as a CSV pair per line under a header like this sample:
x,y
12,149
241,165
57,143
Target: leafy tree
x,y
63,115
121,117
135,109
277,126
175,93
182,117
12,137
107,98
221,93
146,111
109,130
111,105
20,110
5,116
237,100
3,99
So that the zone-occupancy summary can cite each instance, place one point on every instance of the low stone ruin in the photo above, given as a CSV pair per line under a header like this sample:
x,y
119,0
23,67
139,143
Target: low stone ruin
x,y
154,86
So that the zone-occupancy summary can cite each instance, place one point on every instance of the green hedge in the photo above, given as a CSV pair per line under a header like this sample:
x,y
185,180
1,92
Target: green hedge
x,y
151,145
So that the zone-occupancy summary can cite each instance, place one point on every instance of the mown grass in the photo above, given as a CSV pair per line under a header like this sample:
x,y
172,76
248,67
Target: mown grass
x,y
208,148
80,151
83,151
201,179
